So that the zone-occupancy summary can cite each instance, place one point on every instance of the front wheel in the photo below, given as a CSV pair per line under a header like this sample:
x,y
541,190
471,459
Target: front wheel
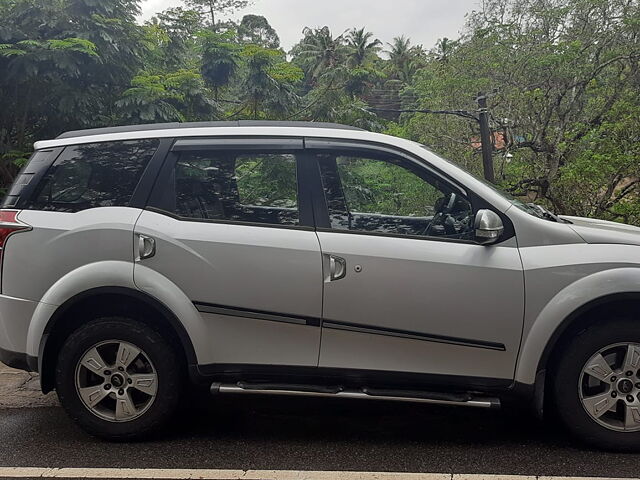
x,y
118,378
597,385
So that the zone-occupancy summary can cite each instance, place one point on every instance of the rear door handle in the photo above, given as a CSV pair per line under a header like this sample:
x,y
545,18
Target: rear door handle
x,y
146,247
337,268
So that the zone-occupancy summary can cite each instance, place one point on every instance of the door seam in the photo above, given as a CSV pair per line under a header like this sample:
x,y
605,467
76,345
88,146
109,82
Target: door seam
x,y
322,298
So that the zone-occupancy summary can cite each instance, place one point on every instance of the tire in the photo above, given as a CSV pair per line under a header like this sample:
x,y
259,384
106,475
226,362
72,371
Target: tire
x,y
581,382
139,395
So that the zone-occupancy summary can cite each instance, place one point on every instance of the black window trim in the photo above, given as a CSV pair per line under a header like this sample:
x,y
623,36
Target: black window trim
x,y
159,200
142,192
320,202
169,214
25,193
141,189
360,145
199,144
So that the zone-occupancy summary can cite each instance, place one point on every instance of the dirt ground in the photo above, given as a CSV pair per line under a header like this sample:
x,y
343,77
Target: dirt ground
x,y
20,389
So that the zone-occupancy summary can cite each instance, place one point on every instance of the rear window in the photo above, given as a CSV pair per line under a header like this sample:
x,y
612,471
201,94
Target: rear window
x,y
93,175
251,187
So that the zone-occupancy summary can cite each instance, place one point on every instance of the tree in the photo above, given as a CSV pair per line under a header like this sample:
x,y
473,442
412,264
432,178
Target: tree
x,y
269,81
444,49
561,69
178,96
211,8
361,47
256,29
563,77
64,64
172,38
320,55
405,59
220,59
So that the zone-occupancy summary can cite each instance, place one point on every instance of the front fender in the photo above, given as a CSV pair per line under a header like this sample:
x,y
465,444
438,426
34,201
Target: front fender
x,y
588,290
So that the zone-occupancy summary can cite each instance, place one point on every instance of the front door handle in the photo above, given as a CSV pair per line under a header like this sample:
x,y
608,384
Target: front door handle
x,y
337,268
146,247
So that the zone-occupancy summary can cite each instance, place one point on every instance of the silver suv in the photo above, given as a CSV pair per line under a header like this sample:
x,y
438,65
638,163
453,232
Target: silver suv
x,y
307,259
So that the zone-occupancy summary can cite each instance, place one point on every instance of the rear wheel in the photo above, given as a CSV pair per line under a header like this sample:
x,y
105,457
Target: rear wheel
x,y
597,385
118,378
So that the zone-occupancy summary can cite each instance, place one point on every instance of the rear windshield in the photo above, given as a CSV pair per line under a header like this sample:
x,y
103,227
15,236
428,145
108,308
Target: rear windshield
x,y
93,175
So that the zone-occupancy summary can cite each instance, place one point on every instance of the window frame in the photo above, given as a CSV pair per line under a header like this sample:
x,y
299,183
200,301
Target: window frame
x,y
141,188
163,194
313,146
28,179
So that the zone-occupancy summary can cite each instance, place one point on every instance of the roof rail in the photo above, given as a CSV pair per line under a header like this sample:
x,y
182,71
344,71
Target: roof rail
x,y
176,125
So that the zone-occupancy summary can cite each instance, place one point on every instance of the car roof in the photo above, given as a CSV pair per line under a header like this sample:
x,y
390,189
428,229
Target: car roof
x,y
177,126
202,129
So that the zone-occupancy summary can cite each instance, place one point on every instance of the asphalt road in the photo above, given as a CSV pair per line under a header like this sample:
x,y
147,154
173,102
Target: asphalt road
x,y
310,434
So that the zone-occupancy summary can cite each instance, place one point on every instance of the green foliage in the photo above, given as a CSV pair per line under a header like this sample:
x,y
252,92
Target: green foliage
x,y
177,96
211,8
220,58
171,39
280,191
269,82
363,48
321,56
256,29
561,70
374,186
404,59
563,77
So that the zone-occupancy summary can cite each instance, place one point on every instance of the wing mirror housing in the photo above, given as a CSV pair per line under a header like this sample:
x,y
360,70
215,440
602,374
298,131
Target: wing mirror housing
x,y
488,227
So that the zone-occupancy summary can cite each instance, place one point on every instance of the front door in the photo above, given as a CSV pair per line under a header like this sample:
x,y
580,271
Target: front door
x,y
231,232
406,287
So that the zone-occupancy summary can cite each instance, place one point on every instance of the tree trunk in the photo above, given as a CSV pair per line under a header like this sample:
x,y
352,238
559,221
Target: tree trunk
x,y
213,15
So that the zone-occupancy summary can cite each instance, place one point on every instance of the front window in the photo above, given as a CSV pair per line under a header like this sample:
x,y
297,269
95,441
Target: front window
x,y
535,210
365,193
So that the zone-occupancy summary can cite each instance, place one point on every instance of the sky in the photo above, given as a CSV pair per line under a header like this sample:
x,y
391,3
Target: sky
x,y
424,21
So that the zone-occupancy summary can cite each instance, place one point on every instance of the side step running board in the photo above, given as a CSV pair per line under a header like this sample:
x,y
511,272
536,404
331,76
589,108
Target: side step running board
x,y
438,398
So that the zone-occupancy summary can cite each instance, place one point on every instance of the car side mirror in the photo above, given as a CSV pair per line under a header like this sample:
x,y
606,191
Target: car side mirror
x,y
488,227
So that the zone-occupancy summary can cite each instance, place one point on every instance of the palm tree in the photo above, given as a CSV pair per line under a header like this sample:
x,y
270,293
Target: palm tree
x,y
445,48
361,47
404,58
320,54
400,52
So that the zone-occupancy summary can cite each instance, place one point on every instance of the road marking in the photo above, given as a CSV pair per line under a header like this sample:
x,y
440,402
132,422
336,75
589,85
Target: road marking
x,y
191,474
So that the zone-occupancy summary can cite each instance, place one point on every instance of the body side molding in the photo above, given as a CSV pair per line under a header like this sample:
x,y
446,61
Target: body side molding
x,y
352,327
464,342
256,314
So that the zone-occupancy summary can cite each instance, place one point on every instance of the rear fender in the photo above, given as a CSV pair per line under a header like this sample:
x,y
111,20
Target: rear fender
x,y
87,277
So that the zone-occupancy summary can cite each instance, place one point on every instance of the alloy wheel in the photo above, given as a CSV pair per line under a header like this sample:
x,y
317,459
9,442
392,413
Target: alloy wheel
x,y
116,381
609,387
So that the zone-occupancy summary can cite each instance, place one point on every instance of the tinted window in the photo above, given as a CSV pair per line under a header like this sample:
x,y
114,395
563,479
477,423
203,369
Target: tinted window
x,y
93,175
246,187
387,195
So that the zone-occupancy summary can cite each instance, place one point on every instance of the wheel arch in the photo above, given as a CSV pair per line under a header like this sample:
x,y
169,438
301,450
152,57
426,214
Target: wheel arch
x,y
105,301
572,305
584,316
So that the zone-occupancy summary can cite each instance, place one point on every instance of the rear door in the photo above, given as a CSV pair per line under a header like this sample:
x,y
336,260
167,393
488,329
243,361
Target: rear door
x,y
406,287
233,232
